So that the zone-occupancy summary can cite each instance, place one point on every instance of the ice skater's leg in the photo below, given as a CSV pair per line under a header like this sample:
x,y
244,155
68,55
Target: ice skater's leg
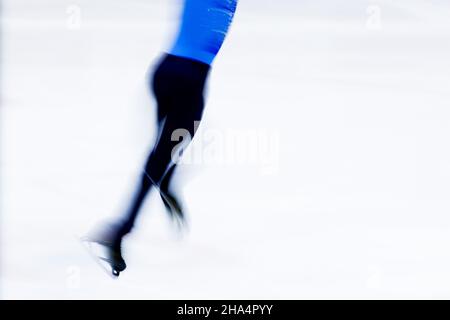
x,y
165,182
178,85
144,184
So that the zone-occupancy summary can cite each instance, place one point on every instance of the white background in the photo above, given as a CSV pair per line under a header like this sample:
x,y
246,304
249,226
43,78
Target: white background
x,y
356,206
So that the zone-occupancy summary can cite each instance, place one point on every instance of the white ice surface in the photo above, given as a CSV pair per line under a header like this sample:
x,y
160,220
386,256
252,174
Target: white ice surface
x,y
358,208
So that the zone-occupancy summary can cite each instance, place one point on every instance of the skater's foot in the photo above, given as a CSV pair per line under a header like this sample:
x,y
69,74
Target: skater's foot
x,y
115,260
104,242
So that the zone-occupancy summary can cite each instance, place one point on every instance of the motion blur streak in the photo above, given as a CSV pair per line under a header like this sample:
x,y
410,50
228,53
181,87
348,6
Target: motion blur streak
x,y
357,92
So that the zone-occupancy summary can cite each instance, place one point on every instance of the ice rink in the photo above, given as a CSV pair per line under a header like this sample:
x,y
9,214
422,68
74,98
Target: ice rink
x,y
344,192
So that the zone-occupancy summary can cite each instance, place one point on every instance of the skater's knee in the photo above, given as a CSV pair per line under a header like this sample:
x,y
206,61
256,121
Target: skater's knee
x,y
146,181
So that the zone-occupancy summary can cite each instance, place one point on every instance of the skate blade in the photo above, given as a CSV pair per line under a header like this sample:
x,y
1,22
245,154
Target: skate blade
x,y
95,252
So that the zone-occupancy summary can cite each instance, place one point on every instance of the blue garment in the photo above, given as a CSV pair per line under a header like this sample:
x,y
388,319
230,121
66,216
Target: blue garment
x,y
203,28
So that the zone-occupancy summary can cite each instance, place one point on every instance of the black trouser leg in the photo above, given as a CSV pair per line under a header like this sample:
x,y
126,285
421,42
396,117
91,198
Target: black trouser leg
x,y
178,85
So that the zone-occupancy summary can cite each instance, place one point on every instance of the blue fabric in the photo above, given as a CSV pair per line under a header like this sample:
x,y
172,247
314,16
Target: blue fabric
x,y
204,25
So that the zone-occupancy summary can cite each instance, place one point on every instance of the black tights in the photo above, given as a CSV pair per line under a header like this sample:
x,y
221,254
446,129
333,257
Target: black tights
x,y
178,84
